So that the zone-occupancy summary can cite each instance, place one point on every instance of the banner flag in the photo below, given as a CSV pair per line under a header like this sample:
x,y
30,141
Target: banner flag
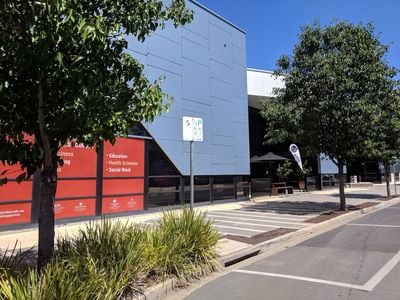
x,y
296,155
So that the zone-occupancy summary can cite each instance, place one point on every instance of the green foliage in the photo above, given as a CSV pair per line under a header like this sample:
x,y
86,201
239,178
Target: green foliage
x,y
109,260
335,83
284,170
185,244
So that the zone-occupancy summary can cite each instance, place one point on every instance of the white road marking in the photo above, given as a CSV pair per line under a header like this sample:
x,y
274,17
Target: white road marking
x,y
250,219
368,286
374,225
309,279
252,224
264,213
374,281
259,217
239,228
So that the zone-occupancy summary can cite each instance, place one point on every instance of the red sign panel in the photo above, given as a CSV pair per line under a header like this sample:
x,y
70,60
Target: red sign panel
x,y
124,159
76,188
123,186
74,208
122,204
15,213
16,191
79,161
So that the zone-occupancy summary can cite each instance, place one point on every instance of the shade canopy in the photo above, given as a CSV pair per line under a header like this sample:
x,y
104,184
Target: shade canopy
x,y
270,156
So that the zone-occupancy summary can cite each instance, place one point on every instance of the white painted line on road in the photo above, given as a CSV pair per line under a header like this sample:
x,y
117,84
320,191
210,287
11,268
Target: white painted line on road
x,y
373,225
309,279
250,219
258,217
239,228
374,281
252,224
305,217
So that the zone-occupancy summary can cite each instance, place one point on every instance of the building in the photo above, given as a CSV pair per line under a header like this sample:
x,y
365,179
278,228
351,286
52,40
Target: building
x,y
204,64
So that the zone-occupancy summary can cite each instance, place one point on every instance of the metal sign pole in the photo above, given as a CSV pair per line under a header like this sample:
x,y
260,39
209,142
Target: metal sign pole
x,y
191,178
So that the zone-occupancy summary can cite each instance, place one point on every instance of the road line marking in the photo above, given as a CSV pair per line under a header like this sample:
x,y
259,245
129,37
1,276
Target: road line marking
x,y
373,225
265,213
240,228
252,224
378,277
259,217
308,279
268,221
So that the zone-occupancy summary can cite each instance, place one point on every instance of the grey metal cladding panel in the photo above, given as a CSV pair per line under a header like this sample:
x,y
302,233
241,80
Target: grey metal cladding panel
x,y
172,85
165,48
223,154
222,90
242,139
240,82
221,45
241,107
196,38
241,118
239,56
221,72
200,24
239,39
196,107
174,151
135,45
163,64
196,82
201,162
166,128
170,32
242,165
195,52
223,118
224,169
223,140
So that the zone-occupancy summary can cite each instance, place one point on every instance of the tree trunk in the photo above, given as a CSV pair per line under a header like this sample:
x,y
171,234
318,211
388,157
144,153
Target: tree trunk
x,y
387,177
46,216
47,189
341,186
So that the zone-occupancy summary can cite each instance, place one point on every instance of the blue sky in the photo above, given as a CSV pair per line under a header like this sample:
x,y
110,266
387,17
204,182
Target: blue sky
x,y
272,25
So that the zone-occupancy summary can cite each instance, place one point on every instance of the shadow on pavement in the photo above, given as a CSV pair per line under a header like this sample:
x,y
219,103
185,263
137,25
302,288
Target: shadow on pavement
x,y
359,196
292,207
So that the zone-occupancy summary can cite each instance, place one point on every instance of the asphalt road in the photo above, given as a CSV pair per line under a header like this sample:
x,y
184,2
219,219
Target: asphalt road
x,y
360,260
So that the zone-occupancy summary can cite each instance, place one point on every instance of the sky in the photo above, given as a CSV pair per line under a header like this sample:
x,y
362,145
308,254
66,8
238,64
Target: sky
x,y
272,25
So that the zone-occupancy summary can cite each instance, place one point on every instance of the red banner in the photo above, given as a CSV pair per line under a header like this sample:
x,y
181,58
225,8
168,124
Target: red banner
x,y
16,191
124,159
76,188
79,161
74,208
122,204
123,186
15,213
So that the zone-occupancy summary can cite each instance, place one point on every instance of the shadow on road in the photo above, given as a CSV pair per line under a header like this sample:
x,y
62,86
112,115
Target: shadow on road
x,y
359,196
291,207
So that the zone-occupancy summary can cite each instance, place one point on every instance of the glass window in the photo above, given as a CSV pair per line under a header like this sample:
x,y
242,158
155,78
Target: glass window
x,y
201,189
164,191
223,187
242,186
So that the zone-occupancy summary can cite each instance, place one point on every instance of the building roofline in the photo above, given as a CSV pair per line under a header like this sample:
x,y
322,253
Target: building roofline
x,y
260,71
217,15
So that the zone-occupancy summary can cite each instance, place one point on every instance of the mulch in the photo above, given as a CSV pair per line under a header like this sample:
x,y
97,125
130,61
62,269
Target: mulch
x,y
335,213
388,198
265,236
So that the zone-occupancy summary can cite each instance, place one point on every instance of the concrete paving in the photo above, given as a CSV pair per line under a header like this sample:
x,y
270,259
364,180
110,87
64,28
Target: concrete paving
x,y
359,260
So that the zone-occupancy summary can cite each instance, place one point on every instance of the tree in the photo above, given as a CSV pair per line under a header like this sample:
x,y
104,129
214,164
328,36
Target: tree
x,y
385,147
65,76
335,83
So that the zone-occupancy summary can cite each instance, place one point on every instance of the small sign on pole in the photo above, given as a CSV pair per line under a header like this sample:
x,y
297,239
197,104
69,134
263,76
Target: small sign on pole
x,y
192,132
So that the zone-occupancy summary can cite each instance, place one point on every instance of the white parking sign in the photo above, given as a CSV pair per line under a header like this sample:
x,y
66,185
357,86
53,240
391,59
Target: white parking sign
x,y
192,129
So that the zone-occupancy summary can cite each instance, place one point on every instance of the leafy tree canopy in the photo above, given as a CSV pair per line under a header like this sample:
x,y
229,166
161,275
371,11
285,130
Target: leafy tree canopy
x,y
65,72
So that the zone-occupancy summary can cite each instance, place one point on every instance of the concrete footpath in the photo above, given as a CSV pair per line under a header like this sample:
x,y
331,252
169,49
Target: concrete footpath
x,y
245,216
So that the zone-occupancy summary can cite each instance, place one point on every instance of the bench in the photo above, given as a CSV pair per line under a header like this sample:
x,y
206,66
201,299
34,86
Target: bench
x,y
279,187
